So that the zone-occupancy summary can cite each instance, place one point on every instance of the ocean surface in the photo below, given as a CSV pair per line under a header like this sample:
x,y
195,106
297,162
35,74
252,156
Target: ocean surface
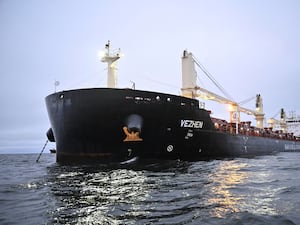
x,y
260,190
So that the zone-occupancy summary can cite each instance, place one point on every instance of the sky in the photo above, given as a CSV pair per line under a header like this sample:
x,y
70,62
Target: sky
x,y
249,47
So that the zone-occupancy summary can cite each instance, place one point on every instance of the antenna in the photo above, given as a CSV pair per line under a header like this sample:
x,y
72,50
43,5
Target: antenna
x,y
133,84
56,83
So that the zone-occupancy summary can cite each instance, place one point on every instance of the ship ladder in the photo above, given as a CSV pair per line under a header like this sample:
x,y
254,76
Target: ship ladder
x,y
38,158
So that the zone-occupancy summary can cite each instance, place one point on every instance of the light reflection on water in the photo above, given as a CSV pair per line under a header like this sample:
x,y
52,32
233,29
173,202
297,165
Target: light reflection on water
x,y
236,189
100,197
227,176
120,188
179,193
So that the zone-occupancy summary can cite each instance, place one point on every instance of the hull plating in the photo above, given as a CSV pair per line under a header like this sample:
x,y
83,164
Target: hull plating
x,y
118,124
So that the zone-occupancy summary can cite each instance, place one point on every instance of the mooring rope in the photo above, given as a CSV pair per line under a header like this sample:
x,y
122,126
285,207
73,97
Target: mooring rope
x,y
38,158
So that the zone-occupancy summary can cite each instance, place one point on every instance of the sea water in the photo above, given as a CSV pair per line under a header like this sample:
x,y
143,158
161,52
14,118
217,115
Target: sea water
x,y
260,190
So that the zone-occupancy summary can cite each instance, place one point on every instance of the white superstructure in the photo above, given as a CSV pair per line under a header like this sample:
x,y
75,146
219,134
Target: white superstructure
x,y
293,123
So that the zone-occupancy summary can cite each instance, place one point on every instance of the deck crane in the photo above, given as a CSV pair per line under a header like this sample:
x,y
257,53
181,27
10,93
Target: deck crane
x,y
190,89
282,122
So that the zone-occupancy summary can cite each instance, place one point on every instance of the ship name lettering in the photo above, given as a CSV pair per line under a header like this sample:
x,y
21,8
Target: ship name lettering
x,y
191,123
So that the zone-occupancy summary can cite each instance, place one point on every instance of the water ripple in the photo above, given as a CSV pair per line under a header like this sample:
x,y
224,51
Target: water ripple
x,y
261,190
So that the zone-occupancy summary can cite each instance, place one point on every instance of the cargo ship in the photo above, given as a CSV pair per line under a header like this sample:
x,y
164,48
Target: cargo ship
x,y
115,125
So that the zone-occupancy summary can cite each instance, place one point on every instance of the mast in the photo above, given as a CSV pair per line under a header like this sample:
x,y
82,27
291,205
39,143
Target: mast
x,y
111,59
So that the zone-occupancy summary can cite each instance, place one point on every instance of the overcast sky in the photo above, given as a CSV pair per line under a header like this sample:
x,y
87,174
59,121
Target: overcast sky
x,y
250,47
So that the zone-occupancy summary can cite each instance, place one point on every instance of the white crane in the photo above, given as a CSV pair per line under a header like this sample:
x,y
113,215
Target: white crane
x,y
190,89
282,122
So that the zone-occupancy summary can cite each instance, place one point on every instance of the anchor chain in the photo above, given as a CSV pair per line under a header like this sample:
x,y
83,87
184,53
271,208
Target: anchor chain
x,y
38,158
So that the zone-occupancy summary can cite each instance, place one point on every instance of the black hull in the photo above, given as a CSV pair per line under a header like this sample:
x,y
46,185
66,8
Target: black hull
x,y
110,125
